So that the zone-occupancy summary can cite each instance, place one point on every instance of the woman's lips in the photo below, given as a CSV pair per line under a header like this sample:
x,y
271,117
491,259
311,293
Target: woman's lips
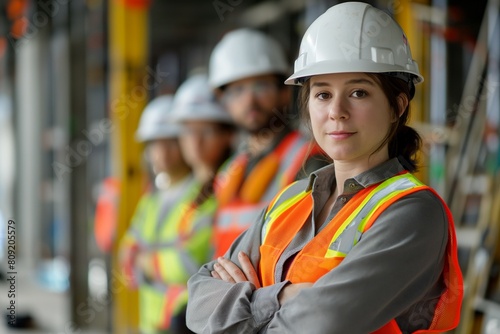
x,y
340,134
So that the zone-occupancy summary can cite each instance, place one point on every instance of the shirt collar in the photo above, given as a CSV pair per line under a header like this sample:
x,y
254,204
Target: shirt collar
x,y
324,178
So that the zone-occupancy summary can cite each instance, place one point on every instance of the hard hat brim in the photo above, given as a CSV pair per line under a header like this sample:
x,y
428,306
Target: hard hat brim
x,y
352,66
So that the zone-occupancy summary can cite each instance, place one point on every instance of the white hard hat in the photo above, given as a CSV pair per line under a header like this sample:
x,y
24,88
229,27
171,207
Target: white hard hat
x,y
156,120
245,53
354,37
195,100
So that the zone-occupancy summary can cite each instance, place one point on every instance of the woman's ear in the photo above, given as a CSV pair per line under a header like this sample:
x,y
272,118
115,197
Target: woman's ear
x,y
402,104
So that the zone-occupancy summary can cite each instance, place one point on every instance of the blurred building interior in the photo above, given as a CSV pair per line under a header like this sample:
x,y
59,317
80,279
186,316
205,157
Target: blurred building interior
x,y
75,75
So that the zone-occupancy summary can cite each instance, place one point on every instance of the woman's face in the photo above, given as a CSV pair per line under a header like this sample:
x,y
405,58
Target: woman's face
x,y
165,155
350,116
204,143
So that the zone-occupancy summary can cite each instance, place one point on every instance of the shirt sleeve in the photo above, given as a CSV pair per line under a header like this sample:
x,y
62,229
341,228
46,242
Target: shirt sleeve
x,y
395,264
215,306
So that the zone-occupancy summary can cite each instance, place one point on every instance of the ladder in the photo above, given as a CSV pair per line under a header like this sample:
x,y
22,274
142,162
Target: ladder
x,y
471,192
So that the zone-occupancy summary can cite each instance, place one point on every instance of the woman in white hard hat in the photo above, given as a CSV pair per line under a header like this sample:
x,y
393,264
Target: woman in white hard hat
x,y
361,246
206,142
172,176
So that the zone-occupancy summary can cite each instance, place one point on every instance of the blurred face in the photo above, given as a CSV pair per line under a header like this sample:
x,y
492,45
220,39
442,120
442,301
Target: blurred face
x,y
165,155
350,116
252,102
204,143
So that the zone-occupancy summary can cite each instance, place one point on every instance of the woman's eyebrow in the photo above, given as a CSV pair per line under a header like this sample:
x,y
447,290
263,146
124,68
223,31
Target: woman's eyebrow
x,y
348,82
320,84
361,81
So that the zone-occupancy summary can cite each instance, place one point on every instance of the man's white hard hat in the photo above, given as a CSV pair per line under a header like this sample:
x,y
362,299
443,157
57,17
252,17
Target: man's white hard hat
x,y
244,53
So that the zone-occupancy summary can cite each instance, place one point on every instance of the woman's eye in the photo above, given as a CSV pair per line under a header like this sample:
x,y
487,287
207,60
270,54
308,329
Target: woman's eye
x,y
322,96
359,93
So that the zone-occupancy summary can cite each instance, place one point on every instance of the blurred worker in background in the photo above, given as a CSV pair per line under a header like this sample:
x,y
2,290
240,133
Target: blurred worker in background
x,y
172,178
206,141
247,70
361,246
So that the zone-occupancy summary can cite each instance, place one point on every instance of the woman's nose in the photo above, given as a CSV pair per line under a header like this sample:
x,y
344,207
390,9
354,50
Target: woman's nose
x,y
337,109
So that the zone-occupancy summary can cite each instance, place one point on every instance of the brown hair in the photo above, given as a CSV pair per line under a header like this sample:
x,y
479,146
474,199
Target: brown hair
x,y
403,141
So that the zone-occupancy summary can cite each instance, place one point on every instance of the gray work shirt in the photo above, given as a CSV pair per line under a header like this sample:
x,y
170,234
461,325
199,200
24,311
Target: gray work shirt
x,y
394,272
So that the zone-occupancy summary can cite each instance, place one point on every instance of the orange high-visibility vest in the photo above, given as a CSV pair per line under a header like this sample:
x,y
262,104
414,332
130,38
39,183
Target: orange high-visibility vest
x,y
324,252
106,214
241,198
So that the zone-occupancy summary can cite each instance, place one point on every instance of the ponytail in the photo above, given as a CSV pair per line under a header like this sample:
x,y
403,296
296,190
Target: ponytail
x,y
406,143
403,140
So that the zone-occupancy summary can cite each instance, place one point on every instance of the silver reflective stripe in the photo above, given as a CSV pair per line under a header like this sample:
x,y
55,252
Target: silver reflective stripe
x,y
159,287
201,222
160,221
158,246
350,236
241,216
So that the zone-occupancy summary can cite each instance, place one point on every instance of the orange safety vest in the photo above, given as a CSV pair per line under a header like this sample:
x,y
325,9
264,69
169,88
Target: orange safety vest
x,y
326,250
241,199
106,214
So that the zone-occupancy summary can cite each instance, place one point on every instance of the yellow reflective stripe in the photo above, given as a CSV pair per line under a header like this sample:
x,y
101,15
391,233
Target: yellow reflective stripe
x,y
145,217
151,300
275,212
176,264
365,220
411,183
354,214
272,204
169,226
383,192
286,204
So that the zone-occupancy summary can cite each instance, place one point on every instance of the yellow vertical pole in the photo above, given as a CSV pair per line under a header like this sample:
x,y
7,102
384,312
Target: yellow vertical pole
x,y
405,16
128,95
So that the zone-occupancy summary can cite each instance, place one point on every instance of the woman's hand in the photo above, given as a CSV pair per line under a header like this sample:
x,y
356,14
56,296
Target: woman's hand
x,y
228,271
